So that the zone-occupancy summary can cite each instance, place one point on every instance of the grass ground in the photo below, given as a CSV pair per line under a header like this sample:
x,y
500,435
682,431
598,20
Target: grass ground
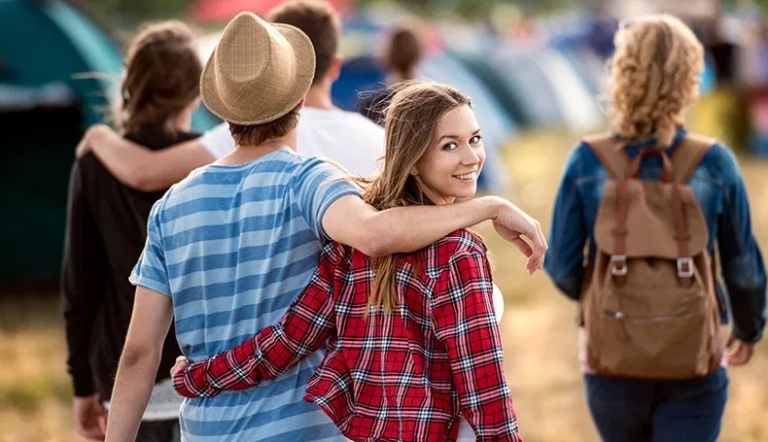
x,y
538,332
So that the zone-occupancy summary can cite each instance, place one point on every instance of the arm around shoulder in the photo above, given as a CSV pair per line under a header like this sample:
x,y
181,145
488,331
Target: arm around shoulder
x,y
140,168
351,221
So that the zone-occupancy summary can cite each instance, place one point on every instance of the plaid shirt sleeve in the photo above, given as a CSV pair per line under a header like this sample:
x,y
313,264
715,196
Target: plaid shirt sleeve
x,y
463,319
308,323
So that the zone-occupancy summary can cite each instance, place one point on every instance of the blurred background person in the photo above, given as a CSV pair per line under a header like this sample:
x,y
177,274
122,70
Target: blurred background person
x,y
107,229
402,53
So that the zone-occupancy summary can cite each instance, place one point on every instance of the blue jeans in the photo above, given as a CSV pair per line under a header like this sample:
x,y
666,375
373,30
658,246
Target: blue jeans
x,y
634,410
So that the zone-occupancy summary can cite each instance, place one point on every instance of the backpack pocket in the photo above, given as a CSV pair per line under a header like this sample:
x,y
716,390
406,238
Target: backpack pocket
x,y
663,333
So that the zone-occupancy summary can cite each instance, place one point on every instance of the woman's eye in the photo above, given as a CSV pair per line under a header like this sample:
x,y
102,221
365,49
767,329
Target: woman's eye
x,y
476,139
450,146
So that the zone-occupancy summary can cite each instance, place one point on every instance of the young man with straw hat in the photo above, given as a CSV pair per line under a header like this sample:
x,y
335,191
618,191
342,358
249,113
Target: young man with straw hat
x,y
232,245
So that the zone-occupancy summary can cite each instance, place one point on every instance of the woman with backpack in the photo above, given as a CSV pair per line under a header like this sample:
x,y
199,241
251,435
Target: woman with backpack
x,y
654,205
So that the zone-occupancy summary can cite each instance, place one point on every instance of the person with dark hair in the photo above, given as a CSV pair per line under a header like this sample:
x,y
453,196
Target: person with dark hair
x,y
231,246
401,57
325,130
106,230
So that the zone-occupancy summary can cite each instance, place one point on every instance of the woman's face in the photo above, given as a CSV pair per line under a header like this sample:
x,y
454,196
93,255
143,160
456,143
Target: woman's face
x,y
450,166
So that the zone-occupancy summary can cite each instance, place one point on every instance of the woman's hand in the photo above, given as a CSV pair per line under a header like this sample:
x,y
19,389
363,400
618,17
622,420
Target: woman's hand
x,y
181,364
741,352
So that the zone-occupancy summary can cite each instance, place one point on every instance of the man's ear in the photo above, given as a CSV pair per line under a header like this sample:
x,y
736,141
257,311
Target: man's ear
x,y
335,71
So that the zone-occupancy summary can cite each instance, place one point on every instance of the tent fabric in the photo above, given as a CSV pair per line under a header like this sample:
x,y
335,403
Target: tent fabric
x,y
44,44
481,67
529,83
580,109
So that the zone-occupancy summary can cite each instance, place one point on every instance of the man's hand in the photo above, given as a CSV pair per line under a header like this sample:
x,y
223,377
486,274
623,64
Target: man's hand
x,y
741,352
93,134
181,364
90,417
513,224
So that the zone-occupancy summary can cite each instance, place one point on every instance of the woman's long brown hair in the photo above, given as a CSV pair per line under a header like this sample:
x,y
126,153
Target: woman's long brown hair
x,y
162,76
410,123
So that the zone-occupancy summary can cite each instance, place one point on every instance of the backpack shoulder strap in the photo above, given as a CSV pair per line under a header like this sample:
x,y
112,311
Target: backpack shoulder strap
x,y
688,155
610,153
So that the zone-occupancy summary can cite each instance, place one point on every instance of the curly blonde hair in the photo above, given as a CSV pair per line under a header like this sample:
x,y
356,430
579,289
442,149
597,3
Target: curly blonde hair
x,y
654,77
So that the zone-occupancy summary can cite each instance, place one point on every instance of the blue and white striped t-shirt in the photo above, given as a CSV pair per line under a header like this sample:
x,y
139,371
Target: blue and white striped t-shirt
x,y
234,246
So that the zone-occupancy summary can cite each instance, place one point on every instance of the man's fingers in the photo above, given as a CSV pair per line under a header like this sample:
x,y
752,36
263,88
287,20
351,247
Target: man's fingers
x,y
540,246
523,246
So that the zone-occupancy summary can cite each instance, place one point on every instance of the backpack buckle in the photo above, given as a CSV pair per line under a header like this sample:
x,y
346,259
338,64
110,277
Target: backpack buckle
x,y
684,267
619,265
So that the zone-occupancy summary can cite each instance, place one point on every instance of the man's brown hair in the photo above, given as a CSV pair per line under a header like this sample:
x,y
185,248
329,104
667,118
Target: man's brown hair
x,y
256,134
320,22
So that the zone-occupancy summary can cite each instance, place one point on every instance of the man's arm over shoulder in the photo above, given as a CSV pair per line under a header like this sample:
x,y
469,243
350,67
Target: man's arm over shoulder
x,y
351,221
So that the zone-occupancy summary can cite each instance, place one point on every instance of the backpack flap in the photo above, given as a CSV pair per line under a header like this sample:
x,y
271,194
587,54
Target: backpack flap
x,y
650,225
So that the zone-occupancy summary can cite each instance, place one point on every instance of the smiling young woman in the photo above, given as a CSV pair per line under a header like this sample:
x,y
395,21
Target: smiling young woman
x,y
420,324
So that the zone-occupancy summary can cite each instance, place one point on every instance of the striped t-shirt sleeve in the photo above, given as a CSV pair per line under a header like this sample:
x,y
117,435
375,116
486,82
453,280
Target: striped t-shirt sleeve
x,y
151,272
318,185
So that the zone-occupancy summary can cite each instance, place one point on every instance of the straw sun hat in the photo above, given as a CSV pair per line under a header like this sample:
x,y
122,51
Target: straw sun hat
x,y
258,72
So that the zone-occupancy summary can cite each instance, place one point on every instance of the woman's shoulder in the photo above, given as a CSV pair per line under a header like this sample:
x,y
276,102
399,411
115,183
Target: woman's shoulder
x,y
719,163
156,137
338,252
459,241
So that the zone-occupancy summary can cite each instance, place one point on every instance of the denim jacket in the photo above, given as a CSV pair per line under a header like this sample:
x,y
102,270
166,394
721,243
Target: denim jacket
x,y
719,189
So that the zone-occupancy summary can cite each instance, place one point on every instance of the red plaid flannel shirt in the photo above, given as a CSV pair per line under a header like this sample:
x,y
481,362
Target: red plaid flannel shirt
x,y
405,376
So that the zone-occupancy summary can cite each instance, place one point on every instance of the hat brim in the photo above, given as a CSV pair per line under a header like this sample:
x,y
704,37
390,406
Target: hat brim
x,y
304,56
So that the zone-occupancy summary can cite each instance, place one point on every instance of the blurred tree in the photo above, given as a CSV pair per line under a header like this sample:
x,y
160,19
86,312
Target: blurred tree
x,y
136,10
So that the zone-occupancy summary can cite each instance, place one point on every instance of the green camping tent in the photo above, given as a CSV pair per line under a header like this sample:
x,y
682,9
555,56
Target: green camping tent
x,y
44,109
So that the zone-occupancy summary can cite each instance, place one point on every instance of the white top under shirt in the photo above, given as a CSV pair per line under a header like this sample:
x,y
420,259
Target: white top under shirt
x,y
347,138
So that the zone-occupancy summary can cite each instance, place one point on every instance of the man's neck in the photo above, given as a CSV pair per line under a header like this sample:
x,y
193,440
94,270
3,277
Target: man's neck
x,y
319,97
245,154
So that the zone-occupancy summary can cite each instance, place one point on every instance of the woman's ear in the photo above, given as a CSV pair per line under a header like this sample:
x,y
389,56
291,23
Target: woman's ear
x,y
414,171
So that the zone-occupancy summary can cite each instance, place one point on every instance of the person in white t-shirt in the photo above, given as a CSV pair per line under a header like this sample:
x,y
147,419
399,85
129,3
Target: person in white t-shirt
x,y
324,130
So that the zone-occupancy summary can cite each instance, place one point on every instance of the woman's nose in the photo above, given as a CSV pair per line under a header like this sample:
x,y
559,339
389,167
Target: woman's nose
x,y
470,156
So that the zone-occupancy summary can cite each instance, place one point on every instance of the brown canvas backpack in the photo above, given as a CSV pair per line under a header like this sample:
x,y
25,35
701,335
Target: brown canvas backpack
x,y
649,302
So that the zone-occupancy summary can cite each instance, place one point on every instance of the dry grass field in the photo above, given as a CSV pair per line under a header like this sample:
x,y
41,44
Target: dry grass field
x,y
538,330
